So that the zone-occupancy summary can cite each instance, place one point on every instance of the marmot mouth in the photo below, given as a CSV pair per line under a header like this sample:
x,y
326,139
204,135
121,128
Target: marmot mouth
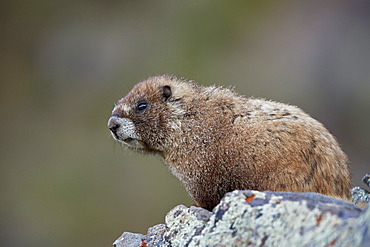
x,y
131,143
123,140
118,138
127,140
123,130
115,136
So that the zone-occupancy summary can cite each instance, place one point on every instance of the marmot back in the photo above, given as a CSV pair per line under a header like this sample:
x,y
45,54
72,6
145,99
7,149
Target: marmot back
x,y
215,141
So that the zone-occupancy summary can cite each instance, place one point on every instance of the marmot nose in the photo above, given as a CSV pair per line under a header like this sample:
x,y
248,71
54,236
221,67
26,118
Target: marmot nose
x,y
113,124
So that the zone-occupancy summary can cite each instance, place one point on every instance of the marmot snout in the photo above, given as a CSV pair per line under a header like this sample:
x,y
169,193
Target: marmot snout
x,y
215,141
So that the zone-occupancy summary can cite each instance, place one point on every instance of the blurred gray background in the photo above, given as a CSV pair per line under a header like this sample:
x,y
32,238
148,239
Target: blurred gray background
x,y
63,64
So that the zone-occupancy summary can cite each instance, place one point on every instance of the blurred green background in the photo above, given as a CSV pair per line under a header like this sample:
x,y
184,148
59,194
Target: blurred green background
x,y
63,64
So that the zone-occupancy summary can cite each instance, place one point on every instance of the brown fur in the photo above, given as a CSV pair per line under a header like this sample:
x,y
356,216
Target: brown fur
x,y
215,141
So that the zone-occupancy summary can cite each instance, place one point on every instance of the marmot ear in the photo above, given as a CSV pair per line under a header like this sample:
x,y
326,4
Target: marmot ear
x,y
166,91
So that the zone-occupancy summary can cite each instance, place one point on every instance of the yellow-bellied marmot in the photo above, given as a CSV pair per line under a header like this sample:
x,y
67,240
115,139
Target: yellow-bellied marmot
x,y
215,141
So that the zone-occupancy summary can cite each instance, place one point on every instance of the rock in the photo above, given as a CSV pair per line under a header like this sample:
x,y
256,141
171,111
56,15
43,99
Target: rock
x,y
366,179
254,218
154,236
359,195
128,239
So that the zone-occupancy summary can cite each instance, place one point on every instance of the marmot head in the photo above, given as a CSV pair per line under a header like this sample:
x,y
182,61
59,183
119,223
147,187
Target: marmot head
x,y
143,119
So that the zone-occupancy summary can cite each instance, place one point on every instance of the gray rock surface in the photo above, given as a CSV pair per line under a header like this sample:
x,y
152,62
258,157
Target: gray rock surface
x,y
254,218
360,195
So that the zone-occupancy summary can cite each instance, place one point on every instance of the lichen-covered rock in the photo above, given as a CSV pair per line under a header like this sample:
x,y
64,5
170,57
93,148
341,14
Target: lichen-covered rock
x,y
154,236
128,239
191,221
359,195
366,179
280,219
253,218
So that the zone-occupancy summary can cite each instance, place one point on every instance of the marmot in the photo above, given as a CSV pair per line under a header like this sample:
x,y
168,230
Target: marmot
x,y
216,141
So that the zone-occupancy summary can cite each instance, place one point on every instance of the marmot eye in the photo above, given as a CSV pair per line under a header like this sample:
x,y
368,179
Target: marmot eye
x,y
142,106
